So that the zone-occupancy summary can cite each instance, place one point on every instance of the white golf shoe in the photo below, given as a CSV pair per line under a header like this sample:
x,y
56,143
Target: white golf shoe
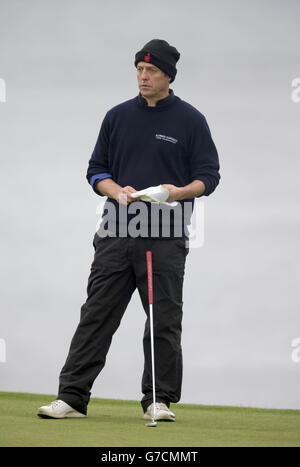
x,y
162,412
58,409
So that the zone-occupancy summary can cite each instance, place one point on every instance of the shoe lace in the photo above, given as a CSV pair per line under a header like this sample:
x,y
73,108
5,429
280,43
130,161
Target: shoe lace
x,y
158,406
161,405
55,403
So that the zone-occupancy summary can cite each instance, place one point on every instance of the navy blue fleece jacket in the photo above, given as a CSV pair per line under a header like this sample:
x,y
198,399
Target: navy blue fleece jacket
x,y
144,146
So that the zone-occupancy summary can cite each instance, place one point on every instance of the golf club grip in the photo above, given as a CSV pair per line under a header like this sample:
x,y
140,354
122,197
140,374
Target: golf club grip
x,y
149,273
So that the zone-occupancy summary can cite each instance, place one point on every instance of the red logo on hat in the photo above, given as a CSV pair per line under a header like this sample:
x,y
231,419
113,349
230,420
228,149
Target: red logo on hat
x,y
147,57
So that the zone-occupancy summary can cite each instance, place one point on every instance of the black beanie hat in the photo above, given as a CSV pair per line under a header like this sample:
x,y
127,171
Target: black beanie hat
x,y
161,54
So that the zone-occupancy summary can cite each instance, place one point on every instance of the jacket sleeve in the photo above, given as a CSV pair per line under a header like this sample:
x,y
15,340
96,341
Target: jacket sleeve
x,y
204,159
98,166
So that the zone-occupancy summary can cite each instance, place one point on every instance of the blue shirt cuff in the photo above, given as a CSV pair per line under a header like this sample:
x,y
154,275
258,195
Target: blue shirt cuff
x,y
97,178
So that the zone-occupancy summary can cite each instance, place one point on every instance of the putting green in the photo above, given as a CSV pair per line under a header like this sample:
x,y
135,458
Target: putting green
x,y
120,423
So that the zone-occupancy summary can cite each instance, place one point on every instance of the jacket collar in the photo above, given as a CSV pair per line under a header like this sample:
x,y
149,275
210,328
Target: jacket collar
x,y
166,101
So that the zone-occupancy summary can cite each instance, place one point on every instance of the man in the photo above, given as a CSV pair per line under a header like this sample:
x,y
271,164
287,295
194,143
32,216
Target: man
x,y
154,139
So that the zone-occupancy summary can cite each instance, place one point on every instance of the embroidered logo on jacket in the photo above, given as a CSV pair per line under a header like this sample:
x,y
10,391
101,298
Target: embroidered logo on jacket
x,y
166,138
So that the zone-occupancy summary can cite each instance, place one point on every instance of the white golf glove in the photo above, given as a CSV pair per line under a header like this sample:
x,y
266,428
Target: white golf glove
x,y
154,194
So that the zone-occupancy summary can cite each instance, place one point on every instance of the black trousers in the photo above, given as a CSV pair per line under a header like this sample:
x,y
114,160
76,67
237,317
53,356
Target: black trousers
x,y
118,267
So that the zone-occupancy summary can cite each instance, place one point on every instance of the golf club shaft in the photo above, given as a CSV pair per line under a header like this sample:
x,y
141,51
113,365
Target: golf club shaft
x,y
152,357
150,296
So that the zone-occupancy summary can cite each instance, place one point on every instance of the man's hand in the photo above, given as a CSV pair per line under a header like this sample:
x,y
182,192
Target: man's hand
x,y
174,192
109,188
193,189
123,195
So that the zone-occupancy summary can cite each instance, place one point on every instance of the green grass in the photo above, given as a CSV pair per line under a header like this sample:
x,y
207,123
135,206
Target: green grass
x,y
120,423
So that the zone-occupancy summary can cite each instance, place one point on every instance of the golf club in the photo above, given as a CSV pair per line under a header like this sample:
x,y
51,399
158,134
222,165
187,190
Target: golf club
x,y
150,297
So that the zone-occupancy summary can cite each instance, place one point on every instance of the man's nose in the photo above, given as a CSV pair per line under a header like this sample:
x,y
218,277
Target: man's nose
x,y
144,75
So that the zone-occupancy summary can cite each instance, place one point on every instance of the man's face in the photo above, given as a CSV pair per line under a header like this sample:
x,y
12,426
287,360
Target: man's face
x,y
152,81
